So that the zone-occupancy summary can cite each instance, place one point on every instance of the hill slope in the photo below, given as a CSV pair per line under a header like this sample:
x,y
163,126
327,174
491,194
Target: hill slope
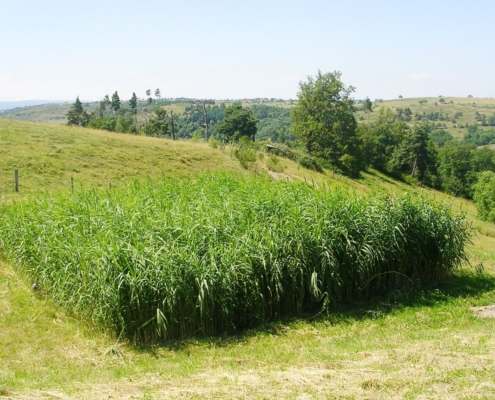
x,y
453,105
47,157
428,345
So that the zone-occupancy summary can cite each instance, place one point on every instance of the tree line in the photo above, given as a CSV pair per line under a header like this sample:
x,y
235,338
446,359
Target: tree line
x,y
322,127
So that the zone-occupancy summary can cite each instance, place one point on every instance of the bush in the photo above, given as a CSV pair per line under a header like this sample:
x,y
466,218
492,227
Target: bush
x,y
213,142
484,196
274,164
217,254
310,162
245,156
108,124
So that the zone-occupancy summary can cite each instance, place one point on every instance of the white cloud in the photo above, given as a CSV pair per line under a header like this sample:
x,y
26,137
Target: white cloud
x,y
420,76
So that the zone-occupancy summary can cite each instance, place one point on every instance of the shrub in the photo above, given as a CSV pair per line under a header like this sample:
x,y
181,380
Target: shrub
x,y
213,142
108,124
245,156
310,162
273,163
484,196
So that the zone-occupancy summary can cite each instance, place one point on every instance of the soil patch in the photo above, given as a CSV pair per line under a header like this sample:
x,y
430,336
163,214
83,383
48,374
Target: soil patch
x,y
484,312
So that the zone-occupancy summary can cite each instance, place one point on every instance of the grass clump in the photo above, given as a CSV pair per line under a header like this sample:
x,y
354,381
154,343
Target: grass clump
x,y
218,253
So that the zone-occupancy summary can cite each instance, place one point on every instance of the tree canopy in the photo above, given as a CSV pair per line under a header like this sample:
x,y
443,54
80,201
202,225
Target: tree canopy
x,y
77,115
323,120
484,196
238,122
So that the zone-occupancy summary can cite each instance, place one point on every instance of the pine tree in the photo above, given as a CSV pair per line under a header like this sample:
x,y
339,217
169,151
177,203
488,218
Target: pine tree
x,y
77,115
115,104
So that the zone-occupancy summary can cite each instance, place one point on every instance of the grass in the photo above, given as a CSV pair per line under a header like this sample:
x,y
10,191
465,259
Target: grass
x,y
47,157
219,253
425,345
430,345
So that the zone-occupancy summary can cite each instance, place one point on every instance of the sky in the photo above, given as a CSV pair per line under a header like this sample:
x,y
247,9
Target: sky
x,y
219,49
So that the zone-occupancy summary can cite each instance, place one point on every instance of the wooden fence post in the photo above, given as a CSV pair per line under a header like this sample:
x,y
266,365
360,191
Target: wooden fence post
x,y
16,180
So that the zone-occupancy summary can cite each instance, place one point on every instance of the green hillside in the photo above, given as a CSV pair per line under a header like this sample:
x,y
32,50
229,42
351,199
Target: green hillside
x,y
449,108
416,342
468,107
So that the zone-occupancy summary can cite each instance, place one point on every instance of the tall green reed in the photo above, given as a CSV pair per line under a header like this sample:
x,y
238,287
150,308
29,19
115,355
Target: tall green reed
x,y
220,253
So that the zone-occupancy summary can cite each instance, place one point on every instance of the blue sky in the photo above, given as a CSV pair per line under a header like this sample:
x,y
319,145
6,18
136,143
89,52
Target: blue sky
x,y
225,49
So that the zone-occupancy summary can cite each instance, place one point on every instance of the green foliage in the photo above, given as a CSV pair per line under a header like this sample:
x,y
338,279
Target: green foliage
x,y
323,120
218,253
381,138
245,157
273,164
115,104
416,156
107,123
274,123
76,115
238,122
125,124
479,136
213,142
368,105
133,102
484,196
440,137
310,162
459,165
158,125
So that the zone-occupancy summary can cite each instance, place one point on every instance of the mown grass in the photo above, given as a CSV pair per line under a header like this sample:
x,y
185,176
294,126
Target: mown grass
x,y
221,253
47,157
428,345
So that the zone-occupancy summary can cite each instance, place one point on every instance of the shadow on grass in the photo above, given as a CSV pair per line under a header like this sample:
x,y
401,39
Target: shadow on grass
x,y
462,284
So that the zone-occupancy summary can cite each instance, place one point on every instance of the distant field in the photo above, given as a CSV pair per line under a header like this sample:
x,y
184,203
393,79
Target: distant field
x,y
467,106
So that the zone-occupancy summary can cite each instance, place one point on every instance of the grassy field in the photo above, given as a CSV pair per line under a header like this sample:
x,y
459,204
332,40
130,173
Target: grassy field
x,y
47,157
425,344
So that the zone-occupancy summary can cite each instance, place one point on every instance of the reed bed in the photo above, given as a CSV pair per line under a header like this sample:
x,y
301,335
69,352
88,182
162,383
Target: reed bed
x,y
168,259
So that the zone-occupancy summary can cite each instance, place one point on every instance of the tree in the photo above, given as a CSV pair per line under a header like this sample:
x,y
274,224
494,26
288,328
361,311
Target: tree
x,y
416,155
157,125
77,115
484,196
115,104
368,107
381,138
238,122
323,120
133,103
460,165
149,100
158,95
